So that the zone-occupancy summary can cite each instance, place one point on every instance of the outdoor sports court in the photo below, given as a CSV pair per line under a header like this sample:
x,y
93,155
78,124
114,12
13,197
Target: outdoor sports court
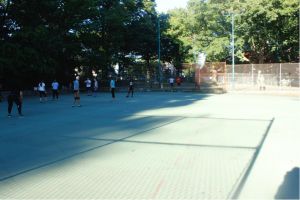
x,y
152,146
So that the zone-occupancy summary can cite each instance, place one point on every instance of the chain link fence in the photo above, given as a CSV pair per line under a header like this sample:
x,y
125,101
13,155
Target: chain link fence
x,y
263,77
211,74
247,77
190,74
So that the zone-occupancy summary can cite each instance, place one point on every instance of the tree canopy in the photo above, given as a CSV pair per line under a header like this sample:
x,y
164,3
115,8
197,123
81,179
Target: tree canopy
x,y
52,38
263,26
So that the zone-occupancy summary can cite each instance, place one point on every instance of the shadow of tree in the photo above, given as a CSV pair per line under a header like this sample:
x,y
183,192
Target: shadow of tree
x,y
289,189
30,145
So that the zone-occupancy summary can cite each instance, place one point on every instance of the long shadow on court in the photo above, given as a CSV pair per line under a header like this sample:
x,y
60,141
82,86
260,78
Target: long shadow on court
x,y
40,142
47,136
289,189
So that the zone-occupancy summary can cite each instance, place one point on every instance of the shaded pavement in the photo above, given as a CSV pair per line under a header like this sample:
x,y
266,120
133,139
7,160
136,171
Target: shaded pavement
x,y
154,145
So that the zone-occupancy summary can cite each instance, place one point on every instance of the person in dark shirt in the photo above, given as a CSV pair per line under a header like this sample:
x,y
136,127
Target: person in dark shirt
x,y
130,87
16,96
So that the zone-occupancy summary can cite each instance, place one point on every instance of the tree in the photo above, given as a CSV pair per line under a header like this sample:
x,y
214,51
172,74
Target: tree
x,y
257,30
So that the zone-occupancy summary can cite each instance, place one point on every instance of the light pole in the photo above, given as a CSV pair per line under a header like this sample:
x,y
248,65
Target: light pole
x,y
232,15
159,19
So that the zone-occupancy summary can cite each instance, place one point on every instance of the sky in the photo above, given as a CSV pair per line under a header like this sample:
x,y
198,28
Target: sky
x,y
165,5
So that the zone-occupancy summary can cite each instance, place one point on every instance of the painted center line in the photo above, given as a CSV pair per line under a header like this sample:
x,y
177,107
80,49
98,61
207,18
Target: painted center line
x,y
177,161
189,143
157,189
196,132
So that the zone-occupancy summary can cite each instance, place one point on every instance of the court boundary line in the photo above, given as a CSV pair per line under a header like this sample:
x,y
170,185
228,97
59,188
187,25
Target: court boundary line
x,y
76,154
164,143
241,182
204,117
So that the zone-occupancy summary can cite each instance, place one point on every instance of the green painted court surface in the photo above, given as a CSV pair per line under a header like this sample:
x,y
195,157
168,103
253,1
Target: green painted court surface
x,y
154,145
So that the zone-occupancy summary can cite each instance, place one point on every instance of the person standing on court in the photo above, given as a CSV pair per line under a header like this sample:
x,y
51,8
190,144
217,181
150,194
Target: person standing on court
x,y
171,83
42,91
95,87
130,87
88,86
76,92
112,88
55,89
178,82
16,95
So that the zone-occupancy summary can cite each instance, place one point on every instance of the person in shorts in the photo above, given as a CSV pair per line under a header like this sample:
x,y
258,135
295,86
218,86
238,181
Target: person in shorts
x,y
55,89
178,82
76,92
131,87
88,86
95,87
42,90
171,82
16,96
112,88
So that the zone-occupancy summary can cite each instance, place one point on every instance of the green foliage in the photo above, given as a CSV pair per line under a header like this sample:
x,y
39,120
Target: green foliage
x,y
44,38
257,30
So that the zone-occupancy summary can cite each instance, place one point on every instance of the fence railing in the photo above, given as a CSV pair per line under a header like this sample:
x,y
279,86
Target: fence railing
x,y
247,77
264,77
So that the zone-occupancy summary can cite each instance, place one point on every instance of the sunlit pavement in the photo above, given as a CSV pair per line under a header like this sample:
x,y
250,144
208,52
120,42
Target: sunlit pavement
x,y
154,145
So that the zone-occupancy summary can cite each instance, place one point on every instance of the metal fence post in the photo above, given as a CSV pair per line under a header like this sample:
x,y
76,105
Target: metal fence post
x,y
280,77
252,77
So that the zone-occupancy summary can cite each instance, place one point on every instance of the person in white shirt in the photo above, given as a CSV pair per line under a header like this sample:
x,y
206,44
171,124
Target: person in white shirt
x,y
112,88
171,82
42,90
95,87
55,88
88,86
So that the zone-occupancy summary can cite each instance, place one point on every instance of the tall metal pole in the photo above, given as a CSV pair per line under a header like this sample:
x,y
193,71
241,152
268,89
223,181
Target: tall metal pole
x,y
160,76
159,53
232,15
232,53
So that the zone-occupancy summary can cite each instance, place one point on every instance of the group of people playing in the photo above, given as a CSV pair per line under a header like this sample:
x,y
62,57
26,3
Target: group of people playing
x,y
42,90
88,82
16,94
172,82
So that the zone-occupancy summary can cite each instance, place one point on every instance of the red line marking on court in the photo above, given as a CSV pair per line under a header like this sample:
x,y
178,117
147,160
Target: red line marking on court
x,y
157,189
177,161
196,132
189,143
202,124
